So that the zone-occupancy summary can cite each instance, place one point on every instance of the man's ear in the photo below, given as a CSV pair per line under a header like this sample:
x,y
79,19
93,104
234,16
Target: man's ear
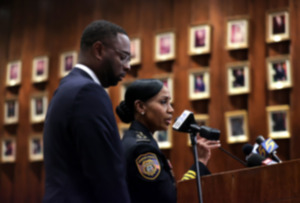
x,y
98,50
140,106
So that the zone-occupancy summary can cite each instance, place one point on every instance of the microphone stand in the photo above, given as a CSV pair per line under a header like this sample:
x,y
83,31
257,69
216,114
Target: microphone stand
x,y
193,137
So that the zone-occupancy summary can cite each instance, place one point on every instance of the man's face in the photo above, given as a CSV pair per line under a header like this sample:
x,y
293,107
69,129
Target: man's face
x,y
116,60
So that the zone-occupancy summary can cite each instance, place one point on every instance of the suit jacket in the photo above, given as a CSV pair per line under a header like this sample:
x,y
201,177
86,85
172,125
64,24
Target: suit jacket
x,y
82,152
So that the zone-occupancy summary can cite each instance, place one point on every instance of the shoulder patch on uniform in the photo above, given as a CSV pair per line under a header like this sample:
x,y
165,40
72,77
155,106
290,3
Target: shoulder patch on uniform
x,y
141,137
148,166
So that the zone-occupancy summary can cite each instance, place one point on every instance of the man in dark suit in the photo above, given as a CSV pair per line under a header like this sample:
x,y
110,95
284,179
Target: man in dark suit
x,y
83,155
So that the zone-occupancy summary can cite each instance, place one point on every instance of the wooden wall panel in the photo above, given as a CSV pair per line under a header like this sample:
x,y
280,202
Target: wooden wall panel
x,y
35,28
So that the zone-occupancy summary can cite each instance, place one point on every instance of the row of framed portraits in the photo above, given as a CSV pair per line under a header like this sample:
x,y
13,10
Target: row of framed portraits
x,y
9,148
38,108
279,76
236,126
237,36
40,68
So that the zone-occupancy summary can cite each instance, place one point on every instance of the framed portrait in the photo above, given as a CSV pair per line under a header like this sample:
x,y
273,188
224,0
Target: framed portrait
x,y
38,108
136,51
13,73
201,120
238,78
237,126
67,62
279,72
279,121
237,33
199,39
199,84
164,138
123,88
165,47
40,68
11,110
167,80
8,150
36,147
278,25
122,128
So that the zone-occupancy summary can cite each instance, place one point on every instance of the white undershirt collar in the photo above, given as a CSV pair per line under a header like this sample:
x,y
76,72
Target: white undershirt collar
x,y
89,72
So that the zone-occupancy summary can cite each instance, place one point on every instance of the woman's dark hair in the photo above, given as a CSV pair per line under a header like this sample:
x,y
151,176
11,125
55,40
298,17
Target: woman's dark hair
x,y
143,89
99,30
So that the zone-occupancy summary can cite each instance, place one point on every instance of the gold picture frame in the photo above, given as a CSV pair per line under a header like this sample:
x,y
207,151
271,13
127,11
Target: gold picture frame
x,y
279,121
278,25
8,149
199,84
11,110
38,107
199,39
279,72
238,78
14,73
135,51
67,62
164,138
236,123
167,80
165,47
237,33
40,69
36,148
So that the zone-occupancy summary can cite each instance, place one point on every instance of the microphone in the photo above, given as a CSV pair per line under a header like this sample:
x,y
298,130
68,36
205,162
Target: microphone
x,y
267,148
258,160
186,123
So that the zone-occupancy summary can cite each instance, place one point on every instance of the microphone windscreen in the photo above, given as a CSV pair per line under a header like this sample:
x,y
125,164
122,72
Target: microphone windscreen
x,y
247,149
255,160
260,139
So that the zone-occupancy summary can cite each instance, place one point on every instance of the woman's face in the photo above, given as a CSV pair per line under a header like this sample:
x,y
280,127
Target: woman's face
x,y
158,111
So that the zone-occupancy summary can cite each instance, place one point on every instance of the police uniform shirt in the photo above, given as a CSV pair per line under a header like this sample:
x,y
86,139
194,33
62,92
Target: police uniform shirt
x,y
149,175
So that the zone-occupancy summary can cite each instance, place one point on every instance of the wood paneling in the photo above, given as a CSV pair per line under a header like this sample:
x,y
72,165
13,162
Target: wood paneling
x,y
51,27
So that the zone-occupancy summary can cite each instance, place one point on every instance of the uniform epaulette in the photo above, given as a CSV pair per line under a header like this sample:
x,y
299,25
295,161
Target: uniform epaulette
x,y
141,137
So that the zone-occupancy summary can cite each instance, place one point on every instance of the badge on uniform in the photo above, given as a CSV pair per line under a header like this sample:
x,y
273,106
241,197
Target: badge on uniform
x,y
148,166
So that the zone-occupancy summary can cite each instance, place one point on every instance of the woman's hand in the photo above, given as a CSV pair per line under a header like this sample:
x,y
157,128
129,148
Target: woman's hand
x,y
204,147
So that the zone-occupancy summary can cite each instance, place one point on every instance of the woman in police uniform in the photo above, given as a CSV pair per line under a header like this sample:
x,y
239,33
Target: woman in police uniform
x,y
149,174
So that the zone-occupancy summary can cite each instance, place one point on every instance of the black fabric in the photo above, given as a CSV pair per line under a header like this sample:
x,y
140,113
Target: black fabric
x,y
136,141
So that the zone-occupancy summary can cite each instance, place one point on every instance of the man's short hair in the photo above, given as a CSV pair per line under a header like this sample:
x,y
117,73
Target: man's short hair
x,y
100,30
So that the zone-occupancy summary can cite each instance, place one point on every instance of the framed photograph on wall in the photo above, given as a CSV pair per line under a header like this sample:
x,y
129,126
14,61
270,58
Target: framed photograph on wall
x,y
136,51
123,88
167,80
279,121
201,120
38,107
165,47
278,25
122,128
279,72
199,39
237,126
238,78
11,110
40,68
237,33
67,62
164,138
13,73
199,84
8,150
36,147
